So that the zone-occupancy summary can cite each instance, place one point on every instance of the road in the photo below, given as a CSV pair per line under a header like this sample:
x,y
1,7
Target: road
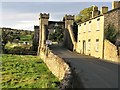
x,y
93,72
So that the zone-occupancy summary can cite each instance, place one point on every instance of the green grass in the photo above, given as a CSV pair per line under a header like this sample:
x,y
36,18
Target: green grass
x,y
15,48
28,71
25,37
10,46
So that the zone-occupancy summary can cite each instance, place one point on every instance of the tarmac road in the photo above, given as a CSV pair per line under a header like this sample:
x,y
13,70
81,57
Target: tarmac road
x,y
93,72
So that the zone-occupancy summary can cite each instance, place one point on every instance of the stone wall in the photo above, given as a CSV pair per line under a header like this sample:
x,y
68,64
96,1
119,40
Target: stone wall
x,y
110,51
63,70
55,64
113,17
59,68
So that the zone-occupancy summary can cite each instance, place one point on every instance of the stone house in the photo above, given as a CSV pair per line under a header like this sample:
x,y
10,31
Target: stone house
x,y
91,33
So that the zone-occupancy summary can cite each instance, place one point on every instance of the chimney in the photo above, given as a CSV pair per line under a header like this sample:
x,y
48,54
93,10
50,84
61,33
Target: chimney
x,y
104,9
95,8
115,4
95,11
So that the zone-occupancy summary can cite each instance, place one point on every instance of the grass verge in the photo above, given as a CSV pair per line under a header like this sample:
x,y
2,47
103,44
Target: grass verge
x,y
19,71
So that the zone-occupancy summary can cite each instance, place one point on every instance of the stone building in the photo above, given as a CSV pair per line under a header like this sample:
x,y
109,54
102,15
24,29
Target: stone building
x,y
91,33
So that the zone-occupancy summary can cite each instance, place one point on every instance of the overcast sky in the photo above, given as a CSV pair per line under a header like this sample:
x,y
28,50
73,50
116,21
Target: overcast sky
x,y
24,15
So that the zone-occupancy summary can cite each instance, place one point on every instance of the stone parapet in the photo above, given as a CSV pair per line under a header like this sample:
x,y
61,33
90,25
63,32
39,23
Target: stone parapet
x,y
58,67
36,27
69,17
44,15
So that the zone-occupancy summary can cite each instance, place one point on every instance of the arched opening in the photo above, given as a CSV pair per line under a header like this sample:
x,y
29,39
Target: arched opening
x,y
56,31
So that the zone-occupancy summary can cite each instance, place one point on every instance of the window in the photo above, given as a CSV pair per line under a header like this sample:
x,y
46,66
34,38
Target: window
x,y
89,27
79,29
97,45
98,19
89,43
98,24
89,21
84,27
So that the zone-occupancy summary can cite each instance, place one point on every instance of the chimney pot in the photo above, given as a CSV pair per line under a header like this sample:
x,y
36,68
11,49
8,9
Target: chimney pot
x,y
115,4
104,9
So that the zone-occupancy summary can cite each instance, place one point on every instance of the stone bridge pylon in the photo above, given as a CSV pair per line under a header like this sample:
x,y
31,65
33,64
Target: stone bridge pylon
x,y
43,23
68,37
68,32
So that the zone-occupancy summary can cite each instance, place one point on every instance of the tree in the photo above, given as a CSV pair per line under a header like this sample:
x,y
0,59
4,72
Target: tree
x,y
57,35
85,14
5,37
11,38
111,33
18,37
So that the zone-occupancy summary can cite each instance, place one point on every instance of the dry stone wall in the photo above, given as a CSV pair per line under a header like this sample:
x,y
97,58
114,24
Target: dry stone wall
x,y
63,70
110,51
113,17
55,64
59,68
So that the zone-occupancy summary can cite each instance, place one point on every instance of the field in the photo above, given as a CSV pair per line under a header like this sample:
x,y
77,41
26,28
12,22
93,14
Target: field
x,y
19,49
26,71
25,37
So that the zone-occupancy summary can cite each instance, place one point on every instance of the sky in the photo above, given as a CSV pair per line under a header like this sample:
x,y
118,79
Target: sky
x,y
24,15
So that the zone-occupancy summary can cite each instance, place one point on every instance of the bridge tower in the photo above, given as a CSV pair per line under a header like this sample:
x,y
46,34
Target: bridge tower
x,y
43,23
69,39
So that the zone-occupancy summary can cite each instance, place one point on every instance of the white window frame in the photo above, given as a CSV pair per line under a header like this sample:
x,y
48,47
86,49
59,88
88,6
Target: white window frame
x,y
98,25
79,29
97,45
84,27
89,44
89,30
